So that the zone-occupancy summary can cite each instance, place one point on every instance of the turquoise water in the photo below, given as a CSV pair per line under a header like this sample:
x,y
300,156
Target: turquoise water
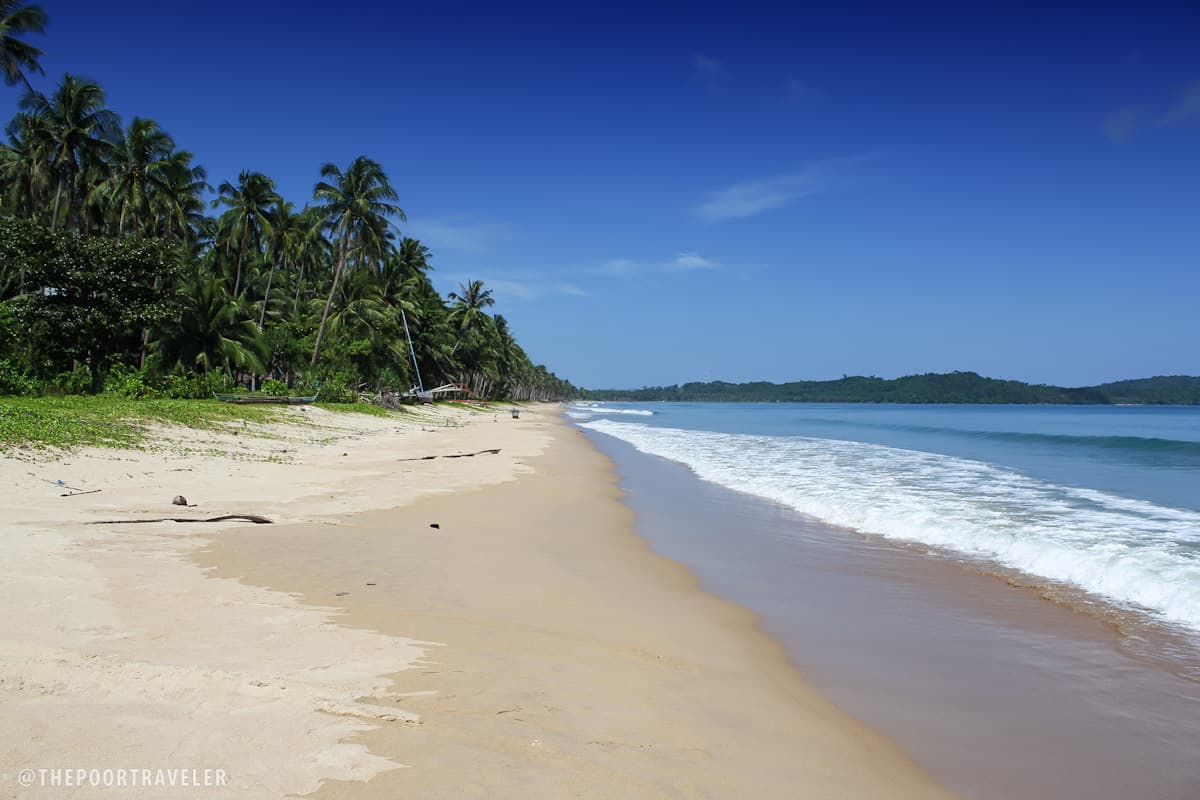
x,y
1106,499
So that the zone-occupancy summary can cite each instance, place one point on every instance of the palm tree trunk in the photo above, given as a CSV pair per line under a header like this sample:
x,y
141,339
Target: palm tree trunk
x,y
57,199
299,288
146,331
337,276
237,282
263,314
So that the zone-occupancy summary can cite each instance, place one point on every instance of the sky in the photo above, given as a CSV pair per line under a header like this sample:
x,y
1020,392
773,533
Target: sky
x,y
661,193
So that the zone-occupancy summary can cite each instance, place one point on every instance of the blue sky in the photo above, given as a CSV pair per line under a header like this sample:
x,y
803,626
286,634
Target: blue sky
x,y
739,192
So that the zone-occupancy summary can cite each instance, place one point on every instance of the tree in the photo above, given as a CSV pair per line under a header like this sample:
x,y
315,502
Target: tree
x,y
247,219
177,207
136,177
16,56
24,167
211,331
78,131
469,303
356,210
87,299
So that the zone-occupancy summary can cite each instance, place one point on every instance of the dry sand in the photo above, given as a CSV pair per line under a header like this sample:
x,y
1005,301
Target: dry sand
x,y
530,646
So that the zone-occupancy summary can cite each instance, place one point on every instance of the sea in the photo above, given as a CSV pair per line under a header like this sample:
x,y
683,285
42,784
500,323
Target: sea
x,y
1012,593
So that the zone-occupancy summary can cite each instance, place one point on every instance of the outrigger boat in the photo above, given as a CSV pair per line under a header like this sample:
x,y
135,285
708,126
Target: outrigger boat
x,y
247,399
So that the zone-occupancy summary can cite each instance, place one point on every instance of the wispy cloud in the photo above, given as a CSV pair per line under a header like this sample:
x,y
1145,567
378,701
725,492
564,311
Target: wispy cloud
x,y
524,286
1183,110
680,262
1122,123
750,198
687,262
462,234
801,91
709,72
1186,108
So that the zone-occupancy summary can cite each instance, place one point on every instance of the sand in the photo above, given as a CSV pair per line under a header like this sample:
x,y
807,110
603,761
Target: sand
x,y
530,645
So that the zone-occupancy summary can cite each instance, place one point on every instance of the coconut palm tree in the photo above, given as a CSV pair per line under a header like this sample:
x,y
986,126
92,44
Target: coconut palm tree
x,y
24,168
357,213
310,249
17,58
286,231
213,331
247,219
178,207
79,132
136,176
469,303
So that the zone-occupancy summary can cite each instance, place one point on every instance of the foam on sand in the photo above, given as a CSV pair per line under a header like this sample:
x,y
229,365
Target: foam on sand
x,y
1130,551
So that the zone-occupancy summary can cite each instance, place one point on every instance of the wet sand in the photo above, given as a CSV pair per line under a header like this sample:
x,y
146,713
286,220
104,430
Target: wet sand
x,y
998,692
563,658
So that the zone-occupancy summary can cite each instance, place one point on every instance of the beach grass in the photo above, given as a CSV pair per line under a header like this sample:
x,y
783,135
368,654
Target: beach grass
x,y
357,408
70,422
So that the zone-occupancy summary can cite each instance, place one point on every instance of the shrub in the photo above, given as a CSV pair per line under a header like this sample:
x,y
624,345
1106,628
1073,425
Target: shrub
x,y
14,380
198,386
128,382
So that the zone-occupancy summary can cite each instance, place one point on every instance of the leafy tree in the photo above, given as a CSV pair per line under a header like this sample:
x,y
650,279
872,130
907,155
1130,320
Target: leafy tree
x,y
88,299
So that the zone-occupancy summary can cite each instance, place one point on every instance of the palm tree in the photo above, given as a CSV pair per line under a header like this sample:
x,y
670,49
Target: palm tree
x,y
355,208
18,57
476,335
247,218
79,132
213,331
136,176
287,229
414,256
24,167
469,303
177,206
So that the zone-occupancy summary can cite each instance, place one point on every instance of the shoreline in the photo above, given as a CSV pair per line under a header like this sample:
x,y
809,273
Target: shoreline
x,y
968,674
606,668
538,664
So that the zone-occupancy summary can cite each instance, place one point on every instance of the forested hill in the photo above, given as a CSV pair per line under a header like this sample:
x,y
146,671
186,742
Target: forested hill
x,y
953,387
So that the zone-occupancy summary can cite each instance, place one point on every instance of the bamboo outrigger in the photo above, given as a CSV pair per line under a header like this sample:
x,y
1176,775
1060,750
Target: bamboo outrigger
x,y
247,399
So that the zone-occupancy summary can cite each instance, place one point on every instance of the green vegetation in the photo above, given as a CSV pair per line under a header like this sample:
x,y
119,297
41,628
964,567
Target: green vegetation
x,y
111,265
108,420
954,387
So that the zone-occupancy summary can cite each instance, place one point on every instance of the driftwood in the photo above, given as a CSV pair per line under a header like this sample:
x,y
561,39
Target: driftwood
x,y
73,494
257,520
454,455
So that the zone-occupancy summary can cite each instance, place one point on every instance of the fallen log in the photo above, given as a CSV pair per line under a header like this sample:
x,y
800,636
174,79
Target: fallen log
x,y
496,451
257,520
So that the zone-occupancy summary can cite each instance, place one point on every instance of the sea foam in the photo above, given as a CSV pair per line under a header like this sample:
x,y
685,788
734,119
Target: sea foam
x,y
583,411
1131,551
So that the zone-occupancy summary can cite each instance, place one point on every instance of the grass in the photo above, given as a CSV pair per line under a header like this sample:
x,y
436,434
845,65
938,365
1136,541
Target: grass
x,y
67,423
357,408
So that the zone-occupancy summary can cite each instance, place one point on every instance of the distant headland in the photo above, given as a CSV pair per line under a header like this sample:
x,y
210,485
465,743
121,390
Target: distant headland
x,y
950,387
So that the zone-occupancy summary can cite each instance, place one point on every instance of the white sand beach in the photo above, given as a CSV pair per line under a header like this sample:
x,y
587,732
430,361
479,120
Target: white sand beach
x,y
528,646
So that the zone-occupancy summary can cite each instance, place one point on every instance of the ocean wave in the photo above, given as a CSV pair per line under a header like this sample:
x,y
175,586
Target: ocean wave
x,y
1127,550
581,411
1147,445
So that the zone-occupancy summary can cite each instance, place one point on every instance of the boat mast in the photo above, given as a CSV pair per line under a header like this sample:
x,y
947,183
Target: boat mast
x,y
411,351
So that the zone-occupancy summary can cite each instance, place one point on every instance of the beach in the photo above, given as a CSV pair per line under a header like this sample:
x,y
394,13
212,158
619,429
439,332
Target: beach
x,y
483,626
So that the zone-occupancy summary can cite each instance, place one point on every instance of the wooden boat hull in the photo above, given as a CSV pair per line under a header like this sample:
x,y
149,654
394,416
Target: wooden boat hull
x,y
248,399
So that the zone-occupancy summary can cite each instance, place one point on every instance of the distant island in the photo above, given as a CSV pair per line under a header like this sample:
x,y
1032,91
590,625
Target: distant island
x,y
951,387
